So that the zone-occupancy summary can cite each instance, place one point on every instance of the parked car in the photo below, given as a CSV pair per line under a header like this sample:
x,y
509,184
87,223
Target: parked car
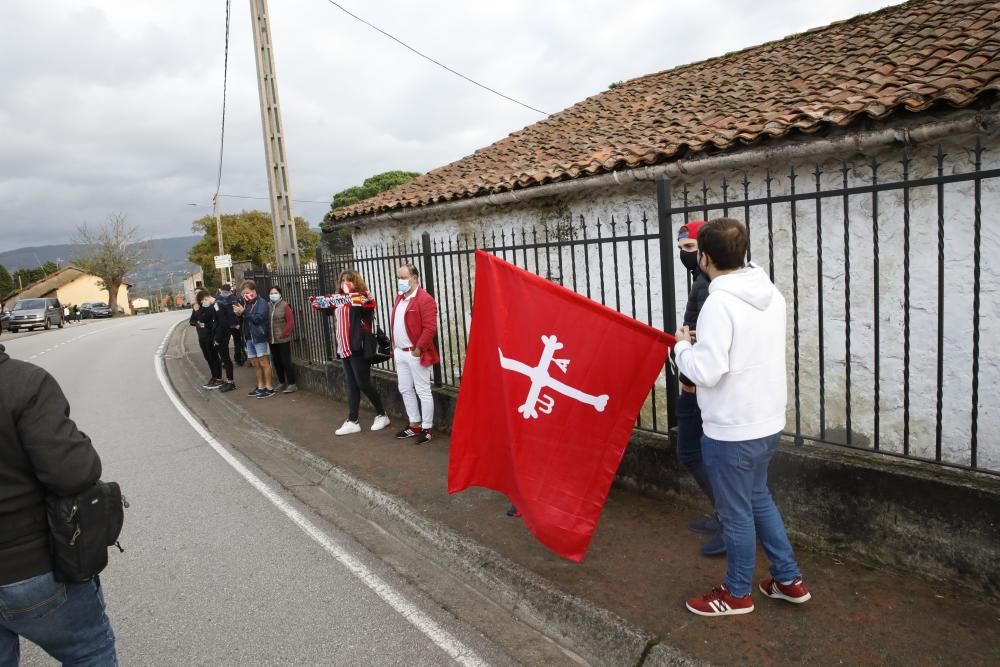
x,y
94,310
36,314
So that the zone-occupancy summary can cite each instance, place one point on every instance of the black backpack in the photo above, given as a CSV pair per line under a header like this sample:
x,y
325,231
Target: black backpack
x,y
82,528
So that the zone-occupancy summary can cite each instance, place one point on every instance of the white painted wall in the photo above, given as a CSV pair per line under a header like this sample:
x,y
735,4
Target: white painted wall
x,y
635,201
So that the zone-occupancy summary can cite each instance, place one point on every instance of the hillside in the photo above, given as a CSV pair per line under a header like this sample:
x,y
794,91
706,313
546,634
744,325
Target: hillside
x,y
167,262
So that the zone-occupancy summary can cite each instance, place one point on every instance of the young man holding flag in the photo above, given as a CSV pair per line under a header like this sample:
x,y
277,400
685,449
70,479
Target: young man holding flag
x,y
738,365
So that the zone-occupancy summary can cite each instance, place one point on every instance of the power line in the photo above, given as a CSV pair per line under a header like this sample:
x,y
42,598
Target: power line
x,y
225,81
439,64
300,201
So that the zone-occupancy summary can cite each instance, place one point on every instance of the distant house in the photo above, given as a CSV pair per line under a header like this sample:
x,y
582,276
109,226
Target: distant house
x,y
192,284
863,157
72,286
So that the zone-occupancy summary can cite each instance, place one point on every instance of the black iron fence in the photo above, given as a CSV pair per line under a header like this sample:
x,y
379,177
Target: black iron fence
x,y
880,260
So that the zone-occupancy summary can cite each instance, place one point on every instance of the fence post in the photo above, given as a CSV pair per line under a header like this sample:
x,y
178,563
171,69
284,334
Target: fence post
x,y
428,269
324,289
666,234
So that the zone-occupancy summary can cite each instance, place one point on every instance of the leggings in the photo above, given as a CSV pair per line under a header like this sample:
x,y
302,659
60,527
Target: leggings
x,y
358,373
281,358
211,356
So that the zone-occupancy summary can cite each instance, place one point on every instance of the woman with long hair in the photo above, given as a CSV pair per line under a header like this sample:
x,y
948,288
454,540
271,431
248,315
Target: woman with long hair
x,y
354,316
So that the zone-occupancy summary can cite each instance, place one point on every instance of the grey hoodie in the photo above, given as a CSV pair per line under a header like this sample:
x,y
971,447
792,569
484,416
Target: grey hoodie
x,y
738,362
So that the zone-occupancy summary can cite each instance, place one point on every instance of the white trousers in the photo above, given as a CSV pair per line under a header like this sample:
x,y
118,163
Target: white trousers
x,y
415,387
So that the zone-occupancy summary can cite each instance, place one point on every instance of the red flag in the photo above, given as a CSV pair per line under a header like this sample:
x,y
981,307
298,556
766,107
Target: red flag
x,y
552,386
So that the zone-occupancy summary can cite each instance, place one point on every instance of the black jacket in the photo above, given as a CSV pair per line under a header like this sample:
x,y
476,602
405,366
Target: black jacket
x,y
41,452
696,299
211,324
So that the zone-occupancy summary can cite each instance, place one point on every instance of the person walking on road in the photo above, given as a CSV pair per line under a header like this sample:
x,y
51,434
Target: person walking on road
x,y
43,454
738,365
205,319
354,316
282,328
414,325
256,318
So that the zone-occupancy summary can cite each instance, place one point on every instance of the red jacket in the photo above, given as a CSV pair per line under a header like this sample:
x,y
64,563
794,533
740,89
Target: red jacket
x,y
420,320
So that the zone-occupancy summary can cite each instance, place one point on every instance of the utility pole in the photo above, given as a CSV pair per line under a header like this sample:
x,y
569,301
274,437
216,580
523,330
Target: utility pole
x,y
286,245
223,273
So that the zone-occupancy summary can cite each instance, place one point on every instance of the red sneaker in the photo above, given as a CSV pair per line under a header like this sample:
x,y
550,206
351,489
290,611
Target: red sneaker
x,y
720,602
795,592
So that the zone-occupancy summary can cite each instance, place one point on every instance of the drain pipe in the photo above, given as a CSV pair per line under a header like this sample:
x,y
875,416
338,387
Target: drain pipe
x,y
855,142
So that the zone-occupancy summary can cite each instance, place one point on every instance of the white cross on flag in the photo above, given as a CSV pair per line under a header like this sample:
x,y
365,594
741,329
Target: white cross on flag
x,y
552,386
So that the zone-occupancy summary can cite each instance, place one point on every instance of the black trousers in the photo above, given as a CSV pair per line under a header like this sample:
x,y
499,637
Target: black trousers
x,y
223,351
211,356
240,346
359,380
281,359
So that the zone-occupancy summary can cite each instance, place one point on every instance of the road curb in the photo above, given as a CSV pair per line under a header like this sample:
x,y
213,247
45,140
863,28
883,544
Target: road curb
x,y
596,634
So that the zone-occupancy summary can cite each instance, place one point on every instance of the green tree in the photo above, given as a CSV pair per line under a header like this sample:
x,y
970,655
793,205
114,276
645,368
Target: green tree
x,y
338,241
111,252
248,236
24,277
7,284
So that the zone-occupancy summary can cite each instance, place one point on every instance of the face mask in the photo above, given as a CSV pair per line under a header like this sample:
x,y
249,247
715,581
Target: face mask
x,y
402,285
689,258
275,298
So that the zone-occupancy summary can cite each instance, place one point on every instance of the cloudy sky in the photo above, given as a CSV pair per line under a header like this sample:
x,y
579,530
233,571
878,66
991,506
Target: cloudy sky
x,y
114,105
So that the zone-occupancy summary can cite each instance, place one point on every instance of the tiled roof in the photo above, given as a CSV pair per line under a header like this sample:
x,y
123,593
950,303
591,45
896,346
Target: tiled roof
x,y
905,58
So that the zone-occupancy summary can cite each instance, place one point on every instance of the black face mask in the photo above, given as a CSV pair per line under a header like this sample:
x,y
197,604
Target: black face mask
x,y
689,258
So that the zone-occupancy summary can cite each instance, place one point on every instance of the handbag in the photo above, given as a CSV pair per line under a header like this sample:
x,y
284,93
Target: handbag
x,y
82,528
377,347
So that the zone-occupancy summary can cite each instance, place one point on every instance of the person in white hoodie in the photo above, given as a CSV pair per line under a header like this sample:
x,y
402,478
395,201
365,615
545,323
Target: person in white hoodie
x,y
738,365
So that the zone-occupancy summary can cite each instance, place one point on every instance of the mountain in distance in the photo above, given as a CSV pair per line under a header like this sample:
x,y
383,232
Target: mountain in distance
x,y
166,262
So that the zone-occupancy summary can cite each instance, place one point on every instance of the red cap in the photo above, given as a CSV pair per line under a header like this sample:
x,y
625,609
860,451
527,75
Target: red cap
x,y
689,230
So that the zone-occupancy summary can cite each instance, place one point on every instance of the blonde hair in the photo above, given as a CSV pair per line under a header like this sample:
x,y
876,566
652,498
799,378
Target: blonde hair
x,y
353,276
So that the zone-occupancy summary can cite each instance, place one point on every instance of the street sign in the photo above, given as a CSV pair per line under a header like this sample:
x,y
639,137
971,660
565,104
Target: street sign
x,y
223,261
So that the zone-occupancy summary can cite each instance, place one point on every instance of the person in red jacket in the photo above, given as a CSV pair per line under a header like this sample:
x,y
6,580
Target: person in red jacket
x,y
414,325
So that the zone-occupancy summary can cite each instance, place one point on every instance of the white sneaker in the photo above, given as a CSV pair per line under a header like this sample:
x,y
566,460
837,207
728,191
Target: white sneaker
x,y
348,428
380,423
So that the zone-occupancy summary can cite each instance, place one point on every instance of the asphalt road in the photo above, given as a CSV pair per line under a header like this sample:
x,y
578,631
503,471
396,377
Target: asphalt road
x,y
214,572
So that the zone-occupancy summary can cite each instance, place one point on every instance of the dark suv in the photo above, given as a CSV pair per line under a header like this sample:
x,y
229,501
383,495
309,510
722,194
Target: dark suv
x,y
94,310
36,314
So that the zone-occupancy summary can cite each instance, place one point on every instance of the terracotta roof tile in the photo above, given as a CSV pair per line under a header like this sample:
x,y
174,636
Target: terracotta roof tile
x,y
904,58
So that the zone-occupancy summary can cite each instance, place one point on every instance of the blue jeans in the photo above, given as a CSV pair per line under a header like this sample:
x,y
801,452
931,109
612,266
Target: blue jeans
x,y
738,471
67,620
689,435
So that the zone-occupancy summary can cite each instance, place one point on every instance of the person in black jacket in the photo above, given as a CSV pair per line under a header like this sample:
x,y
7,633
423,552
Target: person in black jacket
x,y
689,427
204,317
225,300
42,453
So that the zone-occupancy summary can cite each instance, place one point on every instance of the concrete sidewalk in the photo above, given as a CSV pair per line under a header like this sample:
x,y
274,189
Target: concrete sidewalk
x,y
643,563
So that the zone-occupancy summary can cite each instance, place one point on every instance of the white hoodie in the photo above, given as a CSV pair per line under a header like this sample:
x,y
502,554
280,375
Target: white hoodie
x,y
738,362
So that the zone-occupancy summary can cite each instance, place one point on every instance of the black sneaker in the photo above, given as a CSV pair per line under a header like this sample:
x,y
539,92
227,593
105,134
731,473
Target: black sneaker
x,y
407,433
254,392
265,393
423,437
214,384
229,386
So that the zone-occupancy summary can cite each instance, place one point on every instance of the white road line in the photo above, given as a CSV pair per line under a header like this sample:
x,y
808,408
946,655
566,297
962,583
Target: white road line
x,y
447,642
